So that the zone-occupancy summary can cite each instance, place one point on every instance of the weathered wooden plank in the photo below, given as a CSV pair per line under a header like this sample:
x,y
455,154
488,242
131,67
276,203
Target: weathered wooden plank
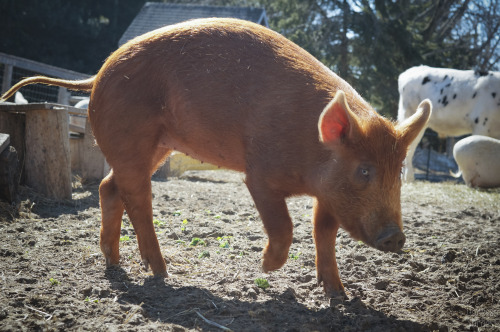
x,y
9,174
41,68
48,164
4,141
13,124
86,157
11,107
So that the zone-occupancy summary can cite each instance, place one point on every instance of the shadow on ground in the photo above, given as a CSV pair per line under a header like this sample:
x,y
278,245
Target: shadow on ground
x,y
193,307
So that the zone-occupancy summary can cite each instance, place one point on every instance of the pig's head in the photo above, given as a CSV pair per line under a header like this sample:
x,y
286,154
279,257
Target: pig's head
x,y
361,180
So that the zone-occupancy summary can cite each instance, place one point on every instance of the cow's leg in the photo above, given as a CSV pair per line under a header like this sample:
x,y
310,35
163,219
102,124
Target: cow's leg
x,y
325,233
277,223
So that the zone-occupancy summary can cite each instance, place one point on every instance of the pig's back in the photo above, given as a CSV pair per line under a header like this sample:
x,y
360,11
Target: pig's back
x,y
225,88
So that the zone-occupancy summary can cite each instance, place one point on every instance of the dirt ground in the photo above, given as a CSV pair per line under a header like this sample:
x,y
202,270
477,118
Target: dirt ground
x,y
53,276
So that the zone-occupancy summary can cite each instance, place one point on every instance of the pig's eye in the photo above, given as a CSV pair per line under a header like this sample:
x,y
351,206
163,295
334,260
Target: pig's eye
x,y
365,173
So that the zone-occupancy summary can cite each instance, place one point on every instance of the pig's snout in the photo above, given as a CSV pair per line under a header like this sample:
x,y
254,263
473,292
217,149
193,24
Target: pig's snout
x,y
390,239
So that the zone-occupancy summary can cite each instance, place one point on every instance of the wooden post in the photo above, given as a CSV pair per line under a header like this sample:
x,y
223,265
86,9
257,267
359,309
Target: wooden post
x,y
13,124
47,164
9,170
63,96
7,77
450,143
91,163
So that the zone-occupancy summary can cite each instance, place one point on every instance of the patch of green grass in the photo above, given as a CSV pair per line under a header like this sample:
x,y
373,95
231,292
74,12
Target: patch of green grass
x,y
262,283
124,238
184,224
224,241
88,299
197,241
158,222
54,282
204,254
295,256
450,195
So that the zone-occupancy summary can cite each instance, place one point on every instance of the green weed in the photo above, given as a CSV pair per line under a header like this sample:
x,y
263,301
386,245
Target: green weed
x,y
197,241
204,254
224,241
261,283
54,282
158,222
124,238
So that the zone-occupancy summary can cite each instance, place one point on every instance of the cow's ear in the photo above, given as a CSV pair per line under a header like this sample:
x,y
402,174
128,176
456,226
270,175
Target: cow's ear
x,y
411,127
337,122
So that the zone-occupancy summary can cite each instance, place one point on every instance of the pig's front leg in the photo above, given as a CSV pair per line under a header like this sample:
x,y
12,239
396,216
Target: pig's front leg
x,y
325,234
277,223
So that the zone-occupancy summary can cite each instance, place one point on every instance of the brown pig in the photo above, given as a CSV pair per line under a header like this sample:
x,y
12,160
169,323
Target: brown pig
x,y
243,97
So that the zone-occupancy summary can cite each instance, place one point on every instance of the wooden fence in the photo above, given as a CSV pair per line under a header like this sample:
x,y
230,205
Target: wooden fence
x,y
47,153
13,69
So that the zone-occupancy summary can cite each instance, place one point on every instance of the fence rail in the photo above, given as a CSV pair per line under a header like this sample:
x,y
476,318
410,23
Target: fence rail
x,y
14,68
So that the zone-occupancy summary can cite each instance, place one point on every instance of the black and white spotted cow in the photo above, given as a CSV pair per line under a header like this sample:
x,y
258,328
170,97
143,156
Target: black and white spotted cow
x,y
463,102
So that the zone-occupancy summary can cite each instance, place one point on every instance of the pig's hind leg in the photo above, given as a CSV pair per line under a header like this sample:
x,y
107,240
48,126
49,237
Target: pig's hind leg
x,y
277,223
325,234
128,186
111,213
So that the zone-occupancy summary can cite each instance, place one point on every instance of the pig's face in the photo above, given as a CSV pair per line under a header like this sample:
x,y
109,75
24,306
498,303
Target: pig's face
x,y
362,180
363,193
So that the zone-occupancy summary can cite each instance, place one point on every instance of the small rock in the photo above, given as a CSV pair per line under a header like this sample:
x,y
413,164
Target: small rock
x,y
87,291
360,258
305,278
251,293
449,257
381,285
235,293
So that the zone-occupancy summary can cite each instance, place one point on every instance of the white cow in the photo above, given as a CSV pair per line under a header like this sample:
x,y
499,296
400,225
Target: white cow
x,y
463,102
478,158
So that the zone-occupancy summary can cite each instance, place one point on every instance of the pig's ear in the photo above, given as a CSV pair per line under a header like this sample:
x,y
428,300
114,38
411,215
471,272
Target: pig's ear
x,y
337,122
411,127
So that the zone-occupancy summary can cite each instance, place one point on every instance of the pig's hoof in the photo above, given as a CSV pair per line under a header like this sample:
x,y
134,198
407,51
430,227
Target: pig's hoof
x,y
336,296
271,263
161,274
111,262
159,269
146,264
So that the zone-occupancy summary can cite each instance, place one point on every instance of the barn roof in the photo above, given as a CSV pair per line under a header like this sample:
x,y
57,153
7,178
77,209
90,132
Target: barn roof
x,y
154,15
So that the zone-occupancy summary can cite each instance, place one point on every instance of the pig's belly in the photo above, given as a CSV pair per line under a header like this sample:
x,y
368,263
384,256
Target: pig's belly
x,y
225,153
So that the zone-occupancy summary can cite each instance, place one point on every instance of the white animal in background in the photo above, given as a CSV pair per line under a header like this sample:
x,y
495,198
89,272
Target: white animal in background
x,y
463,102
478,158
19,98
84,103
77,120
